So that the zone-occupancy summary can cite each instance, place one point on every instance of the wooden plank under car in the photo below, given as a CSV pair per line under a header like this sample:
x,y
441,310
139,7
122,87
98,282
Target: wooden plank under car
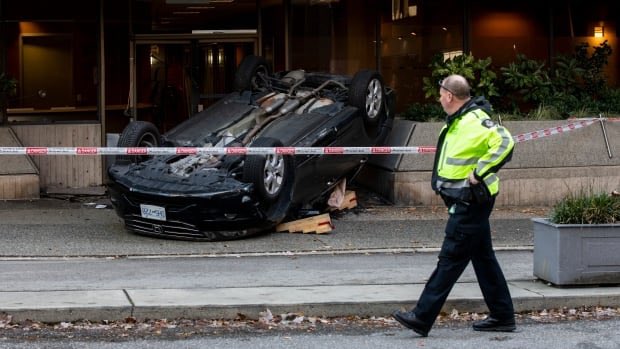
x,y
319,224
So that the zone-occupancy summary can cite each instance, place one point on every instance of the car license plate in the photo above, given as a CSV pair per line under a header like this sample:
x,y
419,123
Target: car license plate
x,y
153,212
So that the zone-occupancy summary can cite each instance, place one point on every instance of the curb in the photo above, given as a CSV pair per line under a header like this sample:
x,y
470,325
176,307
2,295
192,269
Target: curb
x,y
319,301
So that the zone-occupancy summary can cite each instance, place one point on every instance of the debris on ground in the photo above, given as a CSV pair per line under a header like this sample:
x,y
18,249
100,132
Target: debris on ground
x,y
267,321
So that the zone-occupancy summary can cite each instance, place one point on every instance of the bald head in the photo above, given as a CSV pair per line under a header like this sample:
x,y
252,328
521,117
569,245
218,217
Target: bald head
x,y
457,85
453,93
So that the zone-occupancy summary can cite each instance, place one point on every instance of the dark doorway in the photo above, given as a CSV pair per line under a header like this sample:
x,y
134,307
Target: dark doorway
x,y
178,78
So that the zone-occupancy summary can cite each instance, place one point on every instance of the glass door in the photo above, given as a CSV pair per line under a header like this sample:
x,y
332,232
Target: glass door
x,y
175,79
218,65
162,83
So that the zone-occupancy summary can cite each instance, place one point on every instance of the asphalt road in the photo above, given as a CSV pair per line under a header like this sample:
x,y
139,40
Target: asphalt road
x,y
583,334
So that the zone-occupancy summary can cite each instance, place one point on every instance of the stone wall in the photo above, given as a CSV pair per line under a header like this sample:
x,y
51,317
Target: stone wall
x,y
64,171
541,171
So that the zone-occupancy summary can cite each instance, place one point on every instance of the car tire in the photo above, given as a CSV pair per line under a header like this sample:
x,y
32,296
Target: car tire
x,y
138,134
248,76
271,173
367,93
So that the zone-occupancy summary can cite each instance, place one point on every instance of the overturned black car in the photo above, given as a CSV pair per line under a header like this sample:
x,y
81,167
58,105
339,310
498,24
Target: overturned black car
x,y
222,197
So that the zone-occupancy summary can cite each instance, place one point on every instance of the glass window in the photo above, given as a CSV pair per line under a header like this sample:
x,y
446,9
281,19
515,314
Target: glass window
x,y
412,32
503,30
574,22
311,35
51,50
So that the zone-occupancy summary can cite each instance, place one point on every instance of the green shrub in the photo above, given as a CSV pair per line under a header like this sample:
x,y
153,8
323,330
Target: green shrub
x,y
528,78
593,65
544,112
578,83
610,101
569,105
476,71
573,86
587,208
566,76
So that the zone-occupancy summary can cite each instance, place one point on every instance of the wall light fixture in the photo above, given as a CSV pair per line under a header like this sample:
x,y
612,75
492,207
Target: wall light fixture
x,y
599,31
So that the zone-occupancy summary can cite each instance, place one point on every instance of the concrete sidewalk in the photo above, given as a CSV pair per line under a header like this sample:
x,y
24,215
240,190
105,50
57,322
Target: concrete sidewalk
x,y
327,301
413,230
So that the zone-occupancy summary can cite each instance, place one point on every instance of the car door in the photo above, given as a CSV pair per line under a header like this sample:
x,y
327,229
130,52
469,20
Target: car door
x,y
318,173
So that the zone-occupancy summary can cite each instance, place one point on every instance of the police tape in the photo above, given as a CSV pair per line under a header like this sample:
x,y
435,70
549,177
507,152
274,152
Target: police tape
x,y
144,151
553,130
137,151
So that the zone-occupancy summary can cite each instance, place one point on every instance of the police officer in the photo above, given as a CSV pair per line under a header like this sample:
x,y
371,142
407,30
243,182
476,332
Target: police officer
x,y
470,150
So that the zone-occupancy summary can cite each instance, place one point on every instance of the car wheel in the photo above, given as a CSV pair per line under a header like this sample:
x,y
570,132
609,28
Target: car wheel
x,y
252,73
138,134
270,173
368,94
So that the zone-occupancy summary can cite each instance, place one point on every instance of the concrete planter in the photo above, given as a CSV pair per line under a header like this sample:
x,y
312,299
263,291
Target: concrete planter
x,y
576,254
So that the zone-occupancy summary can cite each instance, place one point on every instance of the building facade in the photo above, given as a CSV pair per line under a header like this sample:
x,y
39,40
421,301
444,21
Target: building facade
x,y
107,62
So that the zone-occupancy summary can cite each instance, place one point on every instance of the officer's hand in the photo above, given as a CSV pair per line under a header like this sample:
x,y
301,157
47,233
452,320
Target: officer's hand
x,y
472,178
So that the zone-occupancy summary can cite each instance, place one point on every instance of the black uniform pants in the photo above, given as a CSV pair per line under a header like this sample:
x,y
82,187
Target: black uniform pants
x,y
468,238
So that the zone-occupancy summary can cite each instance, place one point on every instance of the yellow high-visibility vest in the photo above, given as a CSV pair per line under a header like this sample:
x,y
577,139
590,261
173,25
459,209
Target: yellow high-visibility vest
x,y
471,142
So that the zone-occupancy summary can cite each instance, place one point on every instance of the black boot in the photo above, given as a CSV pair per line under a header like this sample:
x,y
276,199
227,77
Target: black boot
x,y
409,320
493,324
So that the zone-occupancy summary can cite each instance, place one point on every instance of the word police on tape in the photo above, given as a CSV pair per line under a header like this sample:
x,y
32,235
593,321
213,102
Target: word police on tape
x,y
274,150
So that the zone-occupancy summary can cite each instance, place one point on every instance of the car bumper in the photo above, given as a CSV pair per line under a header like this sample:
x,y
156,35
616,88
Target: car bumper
x,y
223,216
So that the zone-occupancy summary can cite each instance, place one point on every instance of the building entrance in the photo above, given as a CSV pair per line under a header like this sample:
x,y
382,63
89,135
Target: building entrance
x,y
173,78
